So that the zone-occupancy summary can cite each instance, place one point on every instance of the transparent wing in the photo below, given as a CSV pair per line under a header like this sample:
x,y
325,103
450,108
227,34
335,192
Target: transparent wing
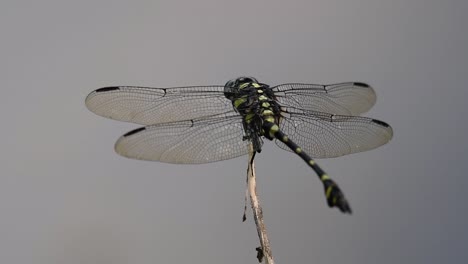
x,y
148,106
189,142
322,135
351,98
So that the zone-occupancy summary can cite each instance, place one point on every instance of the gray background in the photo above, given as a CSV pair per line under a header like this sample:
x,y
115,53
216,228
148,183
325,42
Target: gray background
x,y
66,197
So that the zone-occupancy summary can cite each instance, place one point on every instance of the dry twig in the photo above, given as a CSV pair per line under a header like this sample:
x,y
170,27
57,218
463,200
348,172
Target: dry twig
x,y
264,251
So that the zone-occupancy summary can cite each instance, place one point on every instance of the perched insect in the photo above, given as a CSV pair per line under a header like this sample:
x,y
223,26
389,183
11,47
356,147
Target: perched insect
x,y
201,124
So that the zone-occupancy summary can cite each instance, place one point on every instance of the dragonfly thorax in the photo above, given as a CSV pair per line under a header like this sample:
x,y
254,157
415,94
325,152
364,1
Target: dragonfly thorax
x,y
232,87
256,104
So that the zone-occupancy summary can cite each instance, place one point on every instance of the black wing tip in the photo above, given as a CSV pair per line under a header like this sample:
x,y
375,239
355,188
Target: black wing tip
x,y
381,123
134,131
107,89
361,84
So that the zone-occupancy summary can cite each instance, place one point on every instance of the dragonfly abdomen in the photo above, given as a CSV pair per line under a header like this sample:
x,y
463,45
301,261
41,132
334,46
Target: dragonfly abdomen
x,y
334,195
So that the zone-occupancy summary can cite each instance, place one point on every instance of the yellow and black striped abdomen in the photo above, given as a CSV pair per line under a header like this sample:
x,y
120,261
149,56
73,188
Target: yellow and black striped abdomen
x,y
335,197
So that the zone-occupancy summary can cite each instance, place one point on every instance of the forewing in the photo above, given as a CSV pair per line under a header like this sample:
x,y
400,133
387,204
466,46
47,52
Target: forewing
x,y
186,142
148,106
351,98
323,135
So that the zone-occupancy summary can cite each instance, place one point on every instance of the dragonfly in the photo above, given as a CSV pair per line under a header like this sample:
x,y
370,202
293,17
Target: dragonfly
x,y
202,124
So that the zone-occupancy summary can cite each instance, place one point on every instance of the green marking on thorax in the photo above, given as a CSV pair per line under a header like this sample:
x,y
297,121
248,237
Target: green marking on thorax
x,y
248,117
242,86
270,119
239,101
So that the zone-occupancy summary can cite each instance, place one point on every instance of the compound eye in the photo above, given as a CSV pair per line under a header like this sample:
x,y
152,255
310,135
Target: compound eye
x,y
230,83
248,80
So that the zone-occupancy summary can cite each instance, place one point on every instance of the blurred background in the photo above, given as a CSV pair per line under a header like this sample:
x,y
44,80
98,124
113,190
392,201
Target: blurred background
x,y
67,197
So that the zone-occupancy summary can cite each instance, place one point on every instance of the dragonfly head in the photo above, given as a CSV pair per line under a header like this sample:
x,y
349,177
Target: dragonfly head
x,y
233,86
